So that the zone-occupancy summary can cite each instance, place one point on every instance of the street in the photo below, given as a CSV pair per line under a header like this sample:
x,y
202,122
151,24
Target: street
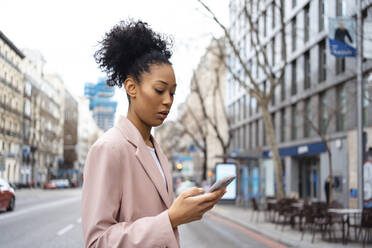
x,y
43,219
52,219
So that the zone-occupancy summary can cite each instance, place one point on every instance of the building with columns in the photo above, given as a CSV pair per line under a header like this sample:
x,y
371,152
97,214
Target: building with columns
x,y
12,87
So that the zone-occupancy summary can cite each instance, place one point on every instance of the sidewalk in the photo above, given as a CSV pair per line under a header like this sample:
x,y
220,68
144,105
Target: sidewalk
x,y
288,236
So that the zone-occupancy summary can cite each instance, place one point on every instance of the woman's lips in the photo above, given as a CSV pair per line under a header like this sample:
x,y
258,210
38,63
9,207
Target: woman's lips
x,y
163,115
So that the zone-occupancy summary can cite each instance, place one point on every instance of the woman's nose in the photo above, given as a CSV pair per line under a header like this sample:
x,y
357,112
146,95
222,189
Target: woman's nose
x,y
168,99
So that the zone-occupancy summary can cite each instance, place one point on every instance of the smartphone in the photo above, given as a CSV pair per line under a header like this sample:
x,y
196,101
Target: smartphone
x,y
223,182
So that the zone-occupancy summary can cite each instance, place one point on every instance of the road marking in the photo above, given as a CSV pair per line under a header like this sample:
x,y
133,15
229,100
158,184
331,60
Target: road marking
x,y
252,234
78,220
39,207
66,229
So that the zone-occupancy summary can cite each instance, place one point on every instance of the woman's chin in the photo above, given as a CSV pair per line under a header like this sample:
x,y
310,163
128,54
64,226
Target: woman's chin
x,y
157,122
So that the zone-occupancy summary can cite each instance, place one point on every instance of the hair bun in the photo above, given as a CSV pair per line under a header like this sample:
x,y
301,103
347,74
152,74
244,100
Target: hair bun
x,y
126,43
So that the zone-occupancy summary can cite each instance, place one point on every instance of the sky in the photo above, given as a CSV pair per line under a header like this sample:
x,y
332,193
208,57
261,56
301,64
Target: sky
x,y
67,33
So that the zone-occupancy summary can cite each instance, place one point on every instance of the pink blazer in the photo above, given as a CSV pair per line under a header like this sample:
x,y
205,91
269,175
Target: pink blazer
x,y
125,200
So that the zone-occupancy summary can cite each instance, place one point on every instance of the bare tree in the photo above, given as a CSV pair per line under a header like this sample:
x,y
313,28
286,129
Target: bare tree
x,y
274,73
207,102
198,132
212,117
321,127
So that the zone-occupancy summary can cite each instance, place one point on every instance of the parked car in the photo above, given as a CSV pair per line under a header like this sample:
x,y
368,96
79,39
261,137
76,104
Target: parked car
x,y
7,196
57,184
50,185
62,183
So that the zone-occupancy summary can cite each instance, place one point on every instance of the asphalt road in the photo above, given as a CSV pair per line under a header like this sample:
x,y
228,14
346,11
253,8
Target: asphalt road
x,y
48,219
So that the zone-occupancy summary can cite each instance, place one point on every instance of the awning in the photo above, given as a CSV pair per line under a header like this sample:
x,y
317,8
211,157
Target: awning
x,y
308,149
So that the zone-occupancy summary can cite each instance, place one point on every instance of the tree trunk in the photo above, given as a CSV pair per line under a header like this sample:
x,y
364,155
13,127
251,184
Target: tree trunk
x,y
274,149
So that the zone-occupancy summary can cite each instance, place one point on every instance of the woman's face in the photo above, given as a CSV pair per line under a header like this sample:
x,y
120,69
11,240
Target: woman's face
x,y
154,94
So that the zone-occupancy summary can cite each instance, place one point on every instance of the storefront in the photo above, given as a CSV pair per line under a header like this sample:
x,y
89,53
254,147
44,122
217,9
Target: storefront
x,y
306,168
249,177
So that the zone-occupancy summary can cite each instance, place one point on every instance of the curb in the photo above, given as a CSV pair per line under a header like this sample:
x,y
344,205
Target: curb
x,y
256,230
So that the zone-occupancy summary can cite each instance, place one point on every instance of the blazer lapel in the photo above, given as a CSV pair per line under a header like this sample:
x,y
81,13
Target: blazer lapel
x,y
147,161
145,158
164,164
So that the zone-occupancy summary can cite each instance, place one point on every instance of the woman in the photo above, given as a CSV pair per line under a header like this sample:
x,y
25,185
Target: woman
x,y
127,192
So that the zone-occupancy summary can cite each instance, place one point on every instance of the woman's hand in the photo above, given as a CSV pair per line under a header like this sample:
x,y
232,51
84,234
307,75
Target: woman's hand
x,y
191,206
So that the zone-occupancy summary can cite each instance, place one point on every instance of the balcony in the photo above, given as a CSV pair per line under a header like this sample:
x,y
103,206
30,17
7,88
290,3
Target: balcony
x,y
9,109
4,82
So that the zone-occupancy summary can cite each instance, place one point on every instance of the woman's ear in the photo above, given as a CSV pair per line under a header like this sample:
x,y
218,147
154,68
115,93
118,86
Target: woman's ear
x,y
130,86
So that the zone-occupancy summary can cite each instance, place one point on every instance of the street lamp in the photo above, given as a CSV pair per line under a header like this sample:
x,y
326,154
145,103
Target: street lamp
x,y
179,166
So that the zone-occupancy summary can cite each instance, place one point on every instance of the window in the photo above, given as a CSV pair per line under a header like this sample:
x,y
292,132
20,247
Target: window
x,y
273,21
282,88
239,138
264,133
250,135
307,118
306,23
340,7
257,133
323,113
307,71
322,15
282,125
245,107
264,23
254,105
293,80
27,107
232,114
340,65
273,120
273,52
245,137
341,111
237,111
250,106
294,122
322,61
240,112
28,88
294,33
366,102
294,3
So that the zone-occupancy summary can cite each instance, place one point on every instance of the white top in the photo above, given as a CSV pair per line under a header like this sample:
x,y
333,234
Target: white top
x,y
367,174
153,153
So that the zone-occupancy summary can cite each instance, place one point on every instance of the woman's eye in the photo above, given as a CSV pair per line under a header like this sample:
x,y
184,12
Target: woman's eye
x,y
159,91
172,94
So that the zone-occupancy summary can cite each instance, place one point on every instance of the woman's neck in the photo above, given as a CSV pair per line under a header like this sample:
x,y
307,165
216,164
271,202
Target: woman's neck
x,y
145,130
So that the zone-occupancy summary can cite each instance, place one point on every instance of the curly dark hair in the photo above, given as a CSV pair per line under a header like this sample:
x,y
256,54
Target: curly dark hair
x,y
129,49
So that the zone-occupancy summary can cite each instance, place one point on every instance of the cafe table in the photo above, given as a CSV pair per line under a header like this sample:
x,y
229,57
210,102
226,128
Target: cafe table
x,y
346,213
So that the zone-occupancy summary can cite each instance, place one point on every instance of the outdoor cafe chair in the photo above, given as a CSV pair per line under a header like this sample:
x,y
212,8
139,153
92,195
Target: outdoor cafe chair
x,y
255,209
365,225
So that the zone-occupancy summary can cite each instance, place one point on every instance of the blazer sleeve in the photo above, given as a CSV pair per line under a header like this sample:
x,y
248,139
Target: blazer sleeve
x,y
101,198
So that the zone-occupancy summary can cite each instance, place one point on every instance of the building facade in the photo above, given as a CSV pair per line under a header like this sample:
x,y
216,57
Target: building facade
x,y
68,168
12,87
317,87
43,130
88,133
101,104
